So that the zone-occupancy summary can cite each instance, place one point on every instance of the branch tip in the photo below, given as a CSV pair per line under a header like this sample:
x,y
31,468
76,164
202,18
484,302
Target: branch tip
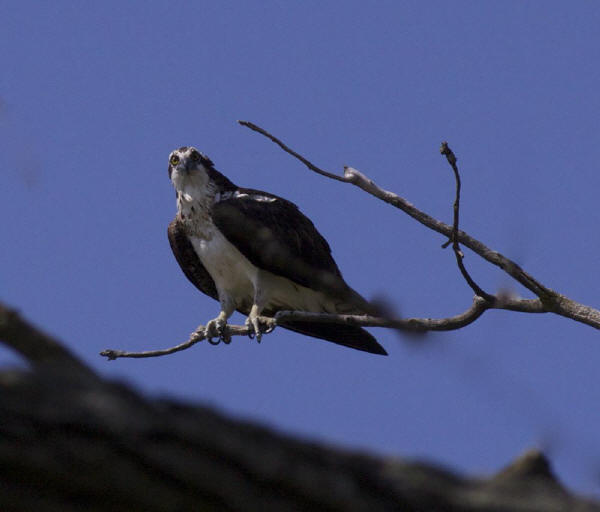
x,y
448,153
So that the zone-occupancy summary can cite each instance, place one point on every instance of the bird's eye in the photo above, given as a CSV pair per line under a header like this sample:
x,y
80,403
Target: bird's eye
x,y
174,160
195,156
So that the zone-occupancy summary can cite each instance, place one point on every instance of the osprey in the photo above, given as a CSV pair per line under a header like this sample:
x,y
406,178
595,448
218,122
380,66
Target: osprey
x,y
257,253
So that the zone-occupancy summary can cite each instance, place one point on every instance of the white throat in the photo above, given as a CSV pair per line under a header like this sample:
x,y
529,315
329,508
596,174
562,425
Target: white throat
x,y
193,190
195,197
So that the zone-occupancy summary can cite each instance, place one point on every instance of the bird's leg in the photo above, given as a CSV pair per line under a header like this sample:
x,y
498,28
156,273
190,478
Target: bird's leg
x,y
260,324
216,328
252,321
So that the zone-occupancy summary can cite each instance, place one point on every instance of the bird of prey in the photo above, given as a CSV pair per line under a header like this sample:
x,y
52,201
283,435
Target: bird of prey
x,y
257,253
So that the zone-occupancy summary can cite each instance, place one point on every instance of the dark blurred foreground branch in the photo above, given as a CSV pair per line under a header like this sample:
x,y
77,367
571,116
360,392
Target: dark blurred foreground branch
x,y
549,301
72,443
39,348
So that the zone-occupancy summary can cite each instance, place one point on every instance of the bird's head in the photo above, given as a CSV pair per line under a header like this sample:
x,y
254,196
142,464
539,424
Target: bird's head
x,y
188,168
194,176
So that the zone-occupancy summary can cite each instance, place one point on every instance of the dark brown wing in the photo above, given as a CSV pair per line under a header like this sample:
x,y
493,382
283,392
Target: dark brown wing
x,y
275,236
189,262
349,336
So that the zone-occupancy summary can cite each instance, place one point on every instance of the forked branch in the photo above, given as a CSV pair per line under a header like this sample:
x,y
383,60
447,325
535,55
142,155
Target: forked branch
x,y
449,154
548,301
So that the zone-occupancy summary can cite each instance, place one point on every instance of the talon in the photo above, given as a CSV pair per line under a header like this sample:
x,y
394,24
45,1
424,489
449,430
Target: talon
x,y
256,327
216,329
225,337
250,326
260,325
223,334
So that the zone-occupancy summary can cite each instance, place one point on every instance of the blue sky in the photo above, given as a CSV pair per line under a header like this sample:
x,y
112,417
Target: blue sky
x,y
94,96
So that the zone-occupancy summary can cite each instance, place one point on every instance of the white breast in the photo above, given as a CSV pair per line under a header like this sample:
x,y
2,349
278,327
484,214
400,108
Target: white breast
x,y
239,280
232,273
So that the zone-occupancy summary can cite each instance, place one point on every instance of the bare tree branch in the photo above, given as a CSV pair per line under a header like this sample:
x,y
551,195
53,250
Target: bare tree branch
x,y
197,336
478,307
415,325
551,301
451,157
306,162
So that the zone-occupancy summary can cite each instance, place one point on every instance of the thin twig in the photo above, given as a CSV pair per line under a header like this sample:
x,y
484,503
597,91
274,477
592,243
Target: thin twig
x,y
451,157
197,336
306,162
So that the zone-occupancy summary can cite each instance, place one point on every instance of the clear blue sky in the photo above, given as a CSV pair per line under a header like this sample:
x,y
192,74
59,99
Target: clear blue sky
x,y
94,96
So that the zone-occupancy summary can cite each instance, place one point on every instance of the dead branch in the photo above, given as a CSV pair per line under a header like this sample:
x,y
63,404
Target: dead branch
x,y
197,336
450,156
549,300
415,325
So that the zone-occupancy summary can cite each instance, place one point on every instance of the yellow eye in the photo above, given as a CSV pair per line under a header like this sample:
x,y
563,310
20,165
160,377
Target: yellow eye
x,y
174,160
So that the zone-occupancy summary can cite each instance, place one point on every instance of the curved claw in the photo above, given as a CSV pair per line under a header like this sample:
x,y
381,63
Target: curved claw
x,y
260,325
225,337
216,328
254,332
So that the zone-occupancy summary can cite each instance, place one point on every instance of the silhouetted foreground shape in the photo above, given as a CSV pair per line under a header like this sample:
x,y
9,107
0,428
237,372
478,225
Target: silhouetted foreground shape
x,y
70,440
